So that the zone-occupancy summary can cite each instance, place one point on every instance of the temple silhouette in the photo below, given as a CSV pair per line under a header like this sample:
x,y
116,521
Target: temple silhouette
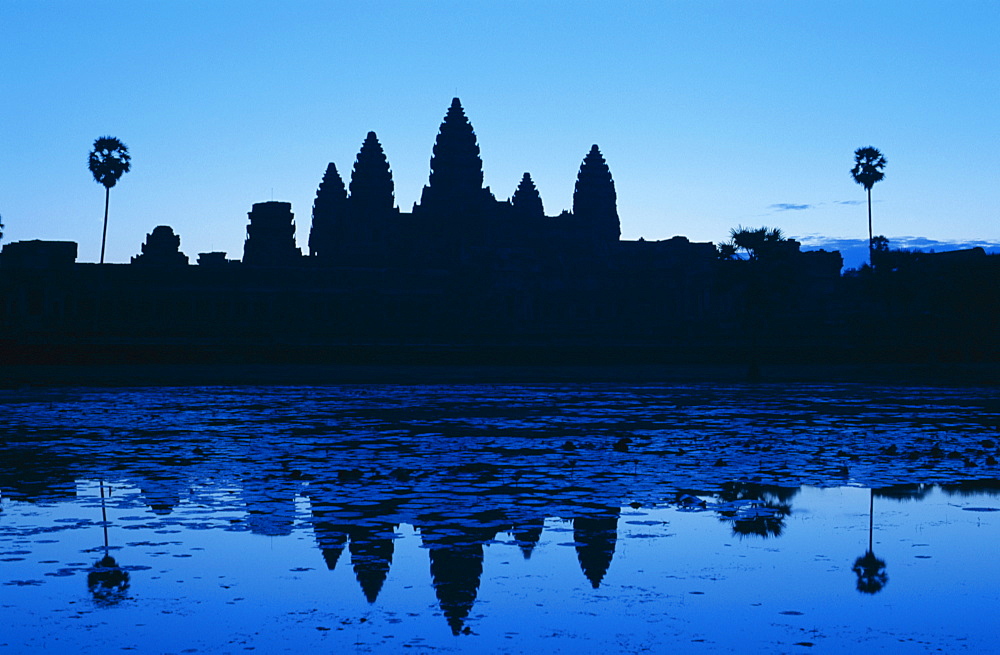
x,y
465,276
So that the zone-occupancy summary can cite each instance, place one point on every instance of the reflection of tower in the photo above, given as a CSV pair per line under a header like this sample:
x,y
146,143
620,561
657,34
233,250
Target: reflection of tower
x,y
595,538
270,507
869,569
371,549
527,533
331,540
363,528
162,495
456,553
330,532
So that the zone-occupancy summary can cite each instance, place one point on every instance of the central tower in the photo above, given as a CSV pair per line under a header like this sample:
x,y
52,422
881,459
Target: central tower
x,y
455,187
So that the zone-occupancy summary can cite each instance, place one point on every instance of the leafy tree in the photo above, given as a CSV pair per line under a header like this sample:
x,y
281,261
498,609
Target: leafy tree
x,y
880,243
108,161
868,165
879,251
762,243
764,517
726,251
760,263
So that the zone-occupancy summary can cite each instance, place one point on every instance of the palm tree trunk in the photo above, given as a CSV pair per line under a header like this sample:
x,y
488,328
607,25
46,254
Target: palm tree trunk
x,y
871,516
107,197
871,258
104,519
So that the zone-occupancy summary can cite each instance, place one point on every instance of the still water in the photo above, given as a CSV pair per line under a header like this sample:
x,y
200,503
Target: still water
x,y
512,518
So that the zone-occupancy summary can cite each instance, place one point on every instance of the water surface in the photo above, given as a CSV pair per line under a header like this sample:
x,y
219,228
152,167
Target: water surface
x,y
507,518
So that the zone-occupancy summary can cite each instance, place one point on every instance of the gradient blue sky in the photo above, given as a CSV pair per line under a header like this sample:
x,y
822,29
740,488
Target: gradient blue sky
x,y
710,114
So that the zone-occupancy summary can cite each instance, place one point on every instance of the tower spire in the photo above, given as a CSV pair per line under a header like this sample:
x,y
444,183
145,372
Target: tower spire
x,y
328,211
456,179
595,202
372,189
526,200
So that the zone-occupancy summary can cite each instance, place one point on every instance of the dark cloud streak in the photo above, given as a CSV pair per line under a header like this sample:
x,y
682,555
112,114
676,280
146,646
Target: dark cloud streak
x,y
787,206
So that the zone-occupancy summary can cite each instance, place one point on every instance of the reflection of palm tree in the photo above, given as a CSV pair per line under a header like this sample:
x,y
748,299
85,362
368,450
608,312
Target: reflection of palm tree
x,y
108,161
106,581
868,165
870,570
871,573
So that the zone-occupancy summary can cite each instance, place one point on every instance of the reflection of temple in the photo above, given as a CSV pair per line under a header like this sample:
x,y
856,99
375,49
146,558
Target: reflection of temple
x,y
34,476
344,517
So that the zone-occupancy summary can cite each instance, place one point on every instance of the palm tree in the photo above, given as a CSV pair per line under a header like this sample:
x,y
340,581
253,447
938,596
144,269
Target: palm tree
x,y
109,160
868,165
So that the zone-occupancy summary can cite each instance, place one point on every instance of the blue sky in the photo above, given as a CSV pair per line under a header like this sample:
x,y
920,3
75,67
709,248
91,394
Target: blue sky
x,y
710,114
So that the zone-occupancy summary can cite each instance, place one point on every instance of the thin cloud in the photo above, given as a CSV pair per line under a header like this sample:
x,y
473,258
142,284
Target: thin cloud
x,y
849,202
787,206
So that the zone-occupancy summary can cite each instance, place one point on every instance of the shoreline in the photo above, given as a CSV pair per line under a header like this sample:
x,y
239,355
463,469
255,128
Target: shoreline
x,y
193,375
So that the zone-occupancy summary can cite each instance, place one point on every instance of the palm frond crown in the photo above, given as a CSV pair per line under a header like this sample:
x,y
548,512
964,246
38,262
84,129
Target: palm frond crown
x,y
868,165
109,160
